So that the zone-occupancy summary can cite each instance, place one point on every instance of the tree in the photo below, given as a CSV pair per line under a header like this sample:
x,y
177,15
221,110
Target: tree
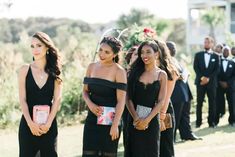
x,y
143,18
135,16
213,17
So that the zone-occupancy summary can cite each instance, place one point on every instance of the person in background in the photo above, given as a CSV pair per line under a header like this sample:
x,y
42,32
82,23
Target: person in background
x,y
40,88
167,134
233,53
130,58
206,66
226,79
181,99
218,49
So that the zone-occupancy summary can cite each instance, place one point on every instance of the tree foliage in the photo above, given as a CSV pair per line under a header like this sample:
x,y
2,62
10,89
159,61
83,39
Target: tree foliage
x,y
213,17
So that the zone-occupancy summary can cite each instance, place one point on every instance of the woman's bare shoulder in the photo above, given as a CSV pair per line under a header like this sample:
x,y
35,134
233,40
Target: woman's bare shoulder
x,y
23,69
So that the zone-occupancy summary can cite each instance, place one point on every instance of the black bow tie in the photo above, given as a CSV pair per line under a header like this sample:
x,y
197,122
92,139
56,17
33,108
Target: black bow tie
x,y
207,53
225,59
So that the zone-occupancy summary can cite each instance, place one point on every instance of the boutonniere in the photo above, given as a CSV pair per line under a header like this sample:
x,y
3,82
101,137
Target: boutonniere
x,y
213,59
230,66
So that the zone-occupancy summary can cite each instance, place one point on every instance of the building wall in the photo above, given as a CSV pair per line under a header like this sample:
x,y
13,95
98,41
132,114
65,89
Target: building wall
x,y
196,30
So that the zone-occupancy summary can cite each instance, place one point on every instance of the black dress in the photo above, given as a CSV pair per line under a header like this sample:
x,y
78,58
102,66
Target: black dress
x,y
30,144
167,137
145,143
96,138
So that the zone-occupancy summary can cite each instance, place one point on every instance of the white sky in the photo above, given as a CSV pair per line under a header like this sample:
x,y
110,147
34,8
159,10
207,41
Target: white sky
x,y
93,11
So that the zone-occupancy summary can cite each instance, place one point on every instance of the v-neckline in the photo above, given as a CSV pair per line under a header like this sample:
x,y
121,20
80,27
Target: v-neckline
x,y
36,82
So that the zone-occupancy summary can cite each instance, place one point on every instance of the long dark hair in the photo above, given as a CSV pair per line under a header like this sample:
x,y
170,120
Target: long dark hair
x,y
129,54
52,57
166,62
115,44
138,66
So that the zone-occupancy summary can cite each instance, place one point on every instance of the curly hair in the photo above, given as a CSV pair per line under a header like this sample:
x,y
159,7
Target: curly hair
x,y
52,57
114,43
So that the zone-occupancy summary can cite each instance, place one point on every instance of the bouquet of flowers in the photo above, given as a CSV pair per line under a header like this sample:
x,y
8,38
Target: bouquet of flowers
x,y
138,35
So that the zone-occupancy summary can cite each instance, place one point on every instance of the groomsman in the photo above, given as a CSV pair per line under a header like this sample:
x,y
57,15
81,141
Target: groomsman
x,y
233,53
218,49
226,79
181,99
206,66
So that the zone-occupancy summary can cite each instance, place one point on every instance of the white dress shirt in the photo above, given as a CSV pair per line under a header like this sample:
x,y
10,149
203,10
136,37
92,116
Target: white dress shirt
x,y
224,63
207,57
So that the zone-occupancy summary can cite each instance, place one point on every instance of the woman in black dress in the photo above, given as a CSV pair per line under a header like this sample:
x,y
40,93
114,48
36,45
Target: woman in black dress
x,y
130,58
146,94
167,135
39,94
104,93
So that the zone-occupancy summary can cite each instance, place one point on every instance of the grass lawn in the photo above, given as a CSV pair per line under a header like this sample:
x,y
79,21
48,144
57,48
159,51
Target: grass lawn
x,y
218,142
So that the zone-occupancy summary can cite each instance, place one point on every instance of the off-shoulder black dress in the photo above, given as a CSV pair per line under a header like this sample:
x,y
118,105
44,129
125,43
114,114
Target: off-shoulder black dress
x,y
96,138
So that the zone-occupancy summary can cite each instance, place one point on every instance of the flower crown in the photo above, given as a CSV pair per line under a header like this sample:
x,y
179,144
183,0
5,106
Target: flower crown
x,y
138,35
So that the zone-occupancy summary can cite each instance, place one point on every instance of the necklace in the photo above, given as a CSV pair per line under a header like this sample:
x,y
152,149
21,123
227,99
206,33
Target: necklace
x,y
41,77
41,74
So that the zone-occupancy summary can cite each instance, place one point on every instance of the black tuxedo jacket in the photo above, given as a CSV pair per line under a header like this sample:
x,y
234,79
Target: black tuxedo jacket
x,y
211,71
181,92
229,75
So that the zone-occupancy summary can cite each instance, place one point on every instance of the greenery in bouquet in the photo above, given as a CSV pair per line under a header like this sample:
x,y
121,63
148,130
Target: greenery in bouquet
x,y
137,35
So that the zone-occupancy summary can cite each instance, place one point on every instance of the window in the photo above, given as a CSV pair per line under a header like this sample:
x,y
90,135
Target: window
x,y
232,17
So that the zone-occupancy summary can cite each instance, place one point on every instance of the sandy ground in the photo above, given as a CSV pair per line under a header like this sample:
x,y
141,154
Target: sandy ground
x,y
218,142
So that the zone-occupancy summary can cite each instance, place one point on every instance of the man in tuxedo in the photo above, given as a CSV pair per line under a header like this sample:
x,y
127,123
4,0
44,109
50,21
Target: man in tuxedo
x,y
218,49
206,66
233,53
226,79
181,99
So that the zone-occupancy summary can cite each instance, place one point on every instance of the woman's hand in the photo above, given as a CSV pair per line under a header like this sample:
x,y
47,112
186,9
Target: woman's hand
x,y
35,129
97,110
162,116
135,121
114,132
142,124
162,125
45,128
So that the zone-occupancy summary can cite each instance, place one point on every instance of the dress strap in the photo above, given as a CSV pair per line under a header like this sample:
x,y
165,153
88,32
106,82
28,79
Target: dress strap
x,y
159,73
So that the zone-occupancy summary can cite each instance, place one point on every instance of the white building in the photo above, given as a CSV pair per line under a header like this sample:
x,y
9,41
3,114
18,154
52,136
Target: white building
x,y
196,30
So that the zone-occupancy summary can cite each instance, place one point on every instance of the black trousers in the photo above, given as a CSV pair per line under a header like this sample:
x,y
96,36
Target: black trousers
x,y
182,119
229,93
211,94
167,137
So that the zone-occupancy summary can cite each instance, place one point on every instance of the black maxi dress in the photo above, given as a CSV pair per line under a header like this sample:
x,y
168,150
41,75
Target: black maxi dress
x,y
30,144
145,143
96,138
